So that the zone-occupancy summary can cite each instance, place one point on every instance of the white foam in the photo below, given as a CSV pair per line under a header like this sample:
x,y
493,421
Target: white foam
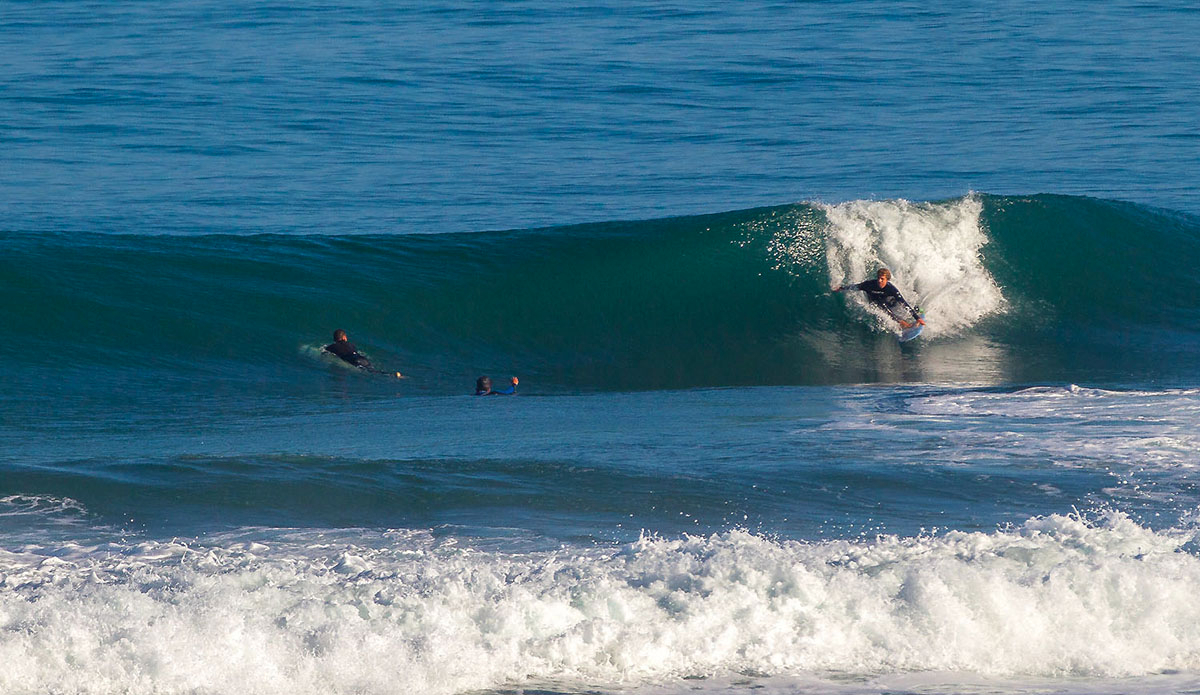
x,y
309,612
32,517
1155,429
933,251
40,506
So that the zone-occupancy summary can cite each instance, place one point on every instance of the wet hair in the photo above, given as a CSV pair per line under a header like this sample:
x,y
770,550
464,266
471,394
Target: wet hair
x,y
884,273
483,384
339,334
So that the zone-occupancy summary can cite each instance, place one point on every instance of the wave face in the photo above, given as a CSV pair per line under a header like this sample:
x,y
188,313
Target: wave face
x,y
1015,289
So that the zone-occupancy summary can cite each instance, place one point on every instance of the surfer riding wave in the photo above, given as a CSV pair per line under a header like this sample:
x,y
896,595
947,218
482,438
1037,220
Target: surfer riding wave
x,y
883,294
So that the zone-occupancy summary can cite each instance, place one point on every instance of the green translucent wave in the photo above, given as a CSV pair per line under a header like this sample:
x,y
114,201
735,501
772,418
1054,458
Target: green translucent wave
x,y
1085,287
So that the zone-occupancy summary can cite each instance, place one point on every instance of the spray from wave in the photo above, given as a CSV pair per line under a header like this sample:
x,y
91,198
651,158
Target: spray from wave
x,y
934,251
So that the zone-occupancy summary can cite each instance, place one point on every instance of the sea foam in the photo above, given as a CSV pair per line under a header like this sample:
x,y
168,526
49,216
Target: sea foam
x,y
932,249
268,611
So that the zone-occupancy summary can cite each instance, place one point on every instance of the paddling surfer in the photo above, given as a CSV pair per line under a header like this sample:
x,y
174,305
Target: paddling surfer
x,y
483,387
342,348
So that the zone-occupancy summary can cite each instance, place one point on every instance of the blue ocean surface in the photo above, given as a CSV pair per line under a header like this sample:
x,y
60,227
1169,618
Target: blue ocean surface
x,y
716,475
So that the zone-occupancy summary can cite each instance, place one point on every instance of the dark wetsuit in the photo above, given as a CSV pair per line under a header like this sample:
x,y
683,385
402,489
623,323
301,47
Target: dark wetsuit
x,y
345,350
510,391
887,298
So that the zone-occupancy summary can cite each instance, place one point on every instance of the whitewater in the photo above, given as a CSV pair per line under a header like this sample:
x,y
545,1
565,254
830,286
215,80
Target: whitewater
x,y
685,495
717,475
826,509
380,612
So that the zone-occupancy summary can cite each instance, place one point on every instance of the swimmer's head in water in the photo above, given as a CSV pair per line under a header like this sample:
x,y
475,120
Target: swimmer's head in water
x,y
339,335
483,384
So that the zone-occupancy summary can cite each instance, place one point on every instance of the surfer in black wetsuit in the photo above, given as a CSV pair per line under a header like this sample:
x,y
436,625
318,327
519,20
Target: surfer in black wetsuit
x,y
884,295
483,387
342,348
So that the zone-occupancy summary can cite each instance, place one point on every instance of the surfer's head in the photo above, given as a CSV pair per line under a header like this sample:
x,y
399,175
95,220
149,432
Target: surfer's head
x,y
482,385
883,276
339,335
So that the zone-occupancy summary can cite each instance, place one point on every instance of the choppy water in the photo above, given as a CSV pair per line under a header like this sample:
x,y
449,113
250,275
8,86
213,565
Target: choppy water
x,y
717,476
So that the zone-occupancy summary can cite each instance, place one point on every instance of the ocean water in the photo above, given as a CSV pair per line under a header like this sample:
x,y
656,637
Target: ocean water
x,y
716,476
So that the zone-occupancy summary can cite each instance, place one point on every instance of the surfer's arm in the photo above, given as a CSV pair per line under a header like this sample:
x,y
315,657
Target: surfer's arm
x,y
911,310
510,391
915,314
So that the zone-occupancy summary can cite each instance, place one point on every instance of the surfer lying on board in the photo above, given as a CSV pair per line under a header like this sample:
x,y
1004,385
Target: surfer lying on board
x,y
884,295
483,387
342,347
